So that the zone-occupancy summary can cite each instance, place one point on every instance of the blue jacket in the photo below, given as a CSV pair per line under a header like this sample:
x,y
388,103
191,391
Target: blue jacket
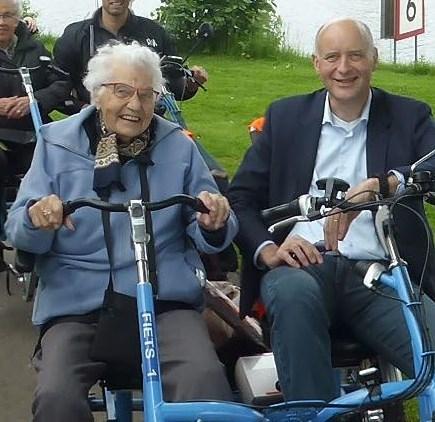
x,y
73,265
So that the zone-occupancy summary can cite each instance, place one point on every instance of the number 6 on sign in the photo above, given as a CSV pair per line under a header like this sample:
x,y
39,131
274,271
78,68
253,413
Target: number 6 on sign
x,y
409,18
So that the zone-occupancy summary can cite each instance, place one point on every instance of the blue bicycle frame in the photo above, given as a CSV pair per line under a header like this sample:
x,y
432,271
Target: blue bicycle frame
x,y
33,105
156,410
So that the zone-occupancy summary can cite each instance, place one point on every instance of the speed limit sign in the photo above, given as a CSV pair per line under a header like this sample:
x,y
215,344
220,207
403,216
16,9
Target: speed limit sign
x,y
409,18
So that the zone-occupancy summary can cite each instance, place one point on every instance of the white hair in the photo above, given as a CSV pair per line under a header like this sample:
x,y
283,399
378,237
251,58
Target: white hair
x,y
100,67
16,4
363,29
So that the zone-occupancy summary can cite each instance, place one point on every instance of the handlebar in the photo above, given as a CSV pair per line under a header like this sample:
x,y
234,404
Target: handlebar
x,y
173,67
70,207
45,63
310,208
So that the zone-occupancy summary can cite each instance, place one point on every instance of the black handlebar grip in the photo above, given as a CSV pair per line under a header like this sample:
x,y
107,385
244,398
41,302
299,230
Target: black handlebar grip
x,y
281,212
430,198
68,209
200,207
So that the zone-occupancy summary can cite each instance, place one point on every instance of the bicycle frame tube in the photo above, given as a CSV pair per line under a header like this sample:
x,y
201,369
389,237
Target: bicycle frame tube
x,y
155,410
172,108
398,280
33,105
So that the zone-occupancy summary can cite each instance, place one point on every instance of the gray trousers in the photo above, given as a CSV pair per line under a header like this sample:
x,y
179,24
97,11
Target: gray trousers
x,y
189,366
304,304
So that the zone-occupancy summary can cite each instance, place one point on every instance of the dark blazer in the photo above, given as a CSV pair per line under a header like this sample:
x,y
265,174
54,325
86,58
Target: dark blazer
x,y
279,167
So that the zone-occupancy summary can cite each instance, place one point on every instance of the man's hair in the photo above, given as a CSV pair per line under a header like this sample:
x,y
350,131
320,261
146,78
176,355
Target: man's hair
x,y
364,30
16,4
133,55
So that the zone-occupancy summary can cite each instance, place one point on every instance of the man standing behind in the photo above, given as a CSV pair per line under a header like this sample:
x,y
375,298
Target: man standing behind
x,y
360,134
113,21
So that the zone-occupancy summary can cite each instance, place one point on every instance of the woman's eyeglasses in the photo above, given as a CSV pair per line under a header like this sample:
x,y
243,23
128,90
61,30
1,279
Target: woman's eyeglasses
x,y
125,92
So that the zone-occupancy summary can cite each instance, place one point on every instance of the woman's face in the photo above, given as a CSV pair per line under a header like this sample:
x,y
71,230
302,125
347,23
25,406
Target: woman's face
x,y
127,101
8,22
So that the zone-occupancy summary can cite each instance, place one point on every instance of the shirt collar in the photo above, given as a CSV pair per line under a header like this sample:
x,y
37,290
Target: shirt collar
x,y
98,20
328,115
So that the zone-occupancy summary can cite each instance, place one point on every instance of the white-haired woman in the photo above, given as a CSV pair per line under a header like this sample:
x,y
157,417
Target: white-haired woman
x,y
99,152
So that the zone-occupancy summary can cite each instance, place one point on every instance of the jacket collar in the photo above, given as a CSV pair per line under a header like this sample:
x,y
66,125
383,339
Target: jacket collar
x,y
126,29
309,131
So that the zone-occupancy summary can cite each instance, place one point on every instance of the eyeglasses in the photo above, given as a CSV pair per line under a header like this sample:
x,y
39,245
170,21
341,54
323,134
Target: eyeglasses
x,y
125,92
8,17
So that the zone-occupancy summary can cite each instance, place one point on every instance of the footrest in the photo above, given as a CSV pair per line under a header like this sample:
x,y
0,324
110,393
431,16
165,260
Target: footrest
x,y
256,379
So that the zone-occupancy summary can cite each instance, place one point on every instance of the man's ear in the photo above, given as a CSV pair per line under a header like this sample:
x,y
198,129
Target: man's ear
x,y
315,61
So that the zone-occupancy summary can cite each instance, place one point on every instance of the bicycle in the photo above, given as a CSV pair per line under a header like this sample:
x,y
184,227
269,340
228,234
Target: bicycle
x,y
305,208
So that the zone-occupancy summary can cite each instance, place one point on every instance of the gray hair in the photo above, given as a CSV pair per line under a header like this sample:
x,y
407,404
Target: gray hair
x,y
363,29
16,4
100,66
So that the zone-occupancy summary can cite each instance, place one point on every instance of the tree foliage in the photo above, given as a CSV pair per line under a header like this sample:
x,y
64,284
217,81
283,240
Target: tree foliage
x,y
27,10
236,22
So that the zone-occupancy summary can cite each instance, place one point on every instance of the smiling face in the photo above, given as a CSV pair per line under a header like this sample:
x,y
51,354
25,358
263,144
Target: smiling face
x,y
116,7
345,64
8,22
127,117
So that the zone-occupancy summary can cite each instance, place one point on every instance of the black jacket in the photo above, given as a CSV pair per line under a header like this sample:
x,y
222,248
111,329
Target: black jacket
x,y
80,40
49,89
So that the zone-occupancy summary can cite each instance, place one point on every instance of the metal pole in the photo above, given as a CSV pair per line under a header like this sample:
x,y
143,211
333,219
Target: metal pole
x,y
415,50
394,51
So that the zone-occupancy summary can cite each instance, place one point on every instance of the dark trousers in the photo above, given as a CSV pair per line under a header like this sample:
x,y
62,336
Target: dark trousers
x,y
189,366
304,304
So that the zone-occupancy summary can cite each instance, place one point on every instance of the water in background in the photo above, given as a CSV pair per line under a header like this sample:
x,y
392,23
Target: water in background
x,y
301,19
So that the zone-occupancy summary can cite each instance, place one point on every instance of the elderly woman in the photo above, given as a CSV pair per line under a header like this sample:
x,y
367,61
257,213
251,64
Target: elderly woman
x,y
99,152
18,48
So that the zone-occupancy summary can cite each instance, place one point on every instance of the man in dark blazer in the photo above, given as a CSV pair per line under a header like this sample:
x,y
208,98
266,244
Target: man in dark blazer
x,y
369,138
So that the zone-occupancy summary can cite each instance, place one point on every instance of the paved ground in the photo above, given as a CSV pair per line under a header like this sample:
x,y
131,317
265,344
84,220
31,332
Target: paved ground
x,y
17,338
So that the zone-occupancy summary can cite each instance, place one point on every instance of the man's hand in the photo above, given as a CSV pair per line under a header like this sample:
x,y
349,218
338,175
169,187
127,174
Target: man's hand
x,y
295,251
337,224
31,24
200,74
19,108
219,211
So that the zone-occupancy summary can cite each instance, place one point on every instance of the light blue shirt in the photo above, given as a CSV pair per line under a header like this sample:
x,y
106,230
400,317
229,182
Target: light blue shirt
x,y
342,153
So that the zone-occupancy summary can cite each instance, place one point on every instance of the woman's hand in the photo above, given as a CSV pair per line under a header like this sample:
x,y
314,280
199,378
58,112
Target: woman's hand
x,y
219,211
47,214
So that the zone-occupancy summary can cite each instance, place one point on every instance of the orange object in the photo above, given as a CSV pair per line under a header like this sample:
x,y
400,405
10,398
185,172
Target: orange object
x,y
257,125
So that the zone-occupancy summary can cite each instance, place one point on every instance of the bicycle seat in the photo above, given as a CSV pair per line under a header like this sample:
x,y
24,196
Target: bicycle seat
x,y
346,351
